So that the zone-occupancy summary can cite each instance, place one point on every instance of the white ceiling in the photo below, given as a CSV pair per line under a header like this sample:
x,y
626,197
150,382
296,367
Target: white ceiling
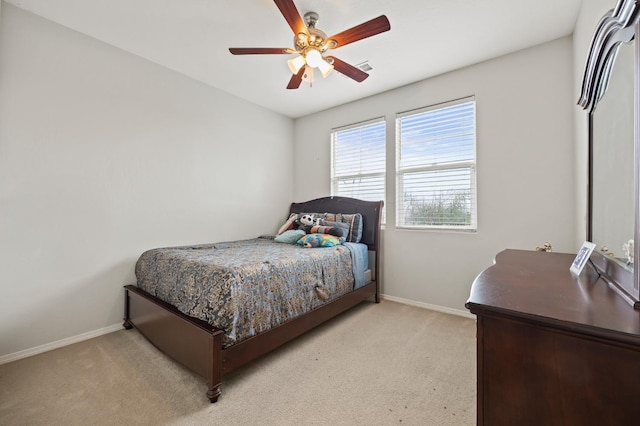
x,y
427,37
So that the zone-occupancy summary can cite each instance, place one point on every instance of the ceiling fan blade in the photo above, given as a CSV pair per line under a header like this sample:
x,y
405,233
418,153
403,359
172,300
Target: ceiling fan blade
x,y
348,70
296,79
367,29
291,14
259,50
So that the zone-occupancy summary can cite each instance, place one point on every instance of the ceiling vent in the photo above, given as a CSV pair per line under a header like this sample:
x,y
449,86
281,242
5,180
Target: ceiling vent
x,y
364,66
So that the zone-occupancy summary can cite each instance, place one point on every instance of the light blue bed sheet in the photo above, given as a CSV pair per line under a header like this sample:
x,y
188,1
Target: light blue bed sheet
x,y
360,262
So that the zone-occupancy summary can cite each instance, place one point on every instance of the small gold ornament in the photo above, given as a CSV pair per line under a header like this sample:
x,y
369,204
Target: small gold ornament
x,y
546,247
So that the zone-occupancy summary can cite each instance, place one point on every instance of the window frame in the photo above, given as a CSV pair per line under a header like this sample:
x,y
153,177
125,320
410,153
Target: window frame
x,y
471,165
383,175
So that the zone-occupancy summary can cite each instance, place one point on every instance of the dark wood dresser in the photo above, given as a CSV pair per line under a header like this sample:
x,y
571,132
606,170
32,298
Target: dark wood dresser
x,y
553,349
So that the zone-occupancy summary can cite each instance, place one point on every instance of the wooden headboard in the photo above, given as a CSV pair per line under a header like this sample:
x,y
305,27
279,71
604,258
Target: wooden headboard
x,y
371,212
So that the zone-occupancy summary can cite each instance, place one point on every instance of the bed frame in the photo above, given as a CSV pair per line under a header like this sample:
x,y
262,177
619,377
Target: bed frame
x,y
198,346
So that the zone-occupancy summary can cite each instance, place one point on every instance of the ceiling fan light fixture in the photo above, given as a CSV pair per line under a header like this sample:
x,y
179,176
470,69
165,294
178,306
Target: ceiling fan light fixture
x,y
313,58
296,63
325,68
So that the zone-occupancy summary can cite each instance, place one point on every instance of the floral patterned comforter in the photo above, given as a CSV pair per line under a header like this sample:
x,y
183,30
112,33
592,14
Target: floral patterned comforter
x,y
245,287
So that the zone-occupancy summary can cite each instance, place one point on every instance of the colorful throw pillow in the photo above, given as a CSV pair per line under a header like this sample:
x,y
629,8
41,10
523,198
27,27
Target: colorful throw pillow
x,y
319,240
290,237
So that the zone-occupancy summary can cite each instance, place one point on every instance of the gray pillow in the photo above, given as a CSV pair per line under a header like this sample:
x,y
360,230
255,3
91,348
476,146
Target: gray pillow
x,y
340,229
354,220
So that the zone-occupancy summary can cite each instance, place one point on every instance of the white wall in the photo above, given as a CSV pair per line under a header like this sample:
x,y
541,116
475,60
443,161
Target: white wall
x,y
104,155
590,14
525,169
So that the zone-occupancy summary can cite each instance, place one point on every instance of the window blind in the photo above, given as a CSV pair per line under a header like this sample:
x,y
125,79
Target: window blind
x,y
359,160
436,175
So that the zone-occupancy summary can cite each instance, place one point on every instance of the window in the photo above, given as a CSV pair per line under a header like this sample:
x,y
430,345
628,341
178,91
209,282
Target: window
x,y
358,160
436,173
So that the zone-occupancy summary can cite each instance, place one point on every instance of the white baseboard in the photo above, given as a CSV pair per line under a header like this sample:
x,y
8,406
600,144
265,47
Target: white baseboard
x,y
423,305
4,359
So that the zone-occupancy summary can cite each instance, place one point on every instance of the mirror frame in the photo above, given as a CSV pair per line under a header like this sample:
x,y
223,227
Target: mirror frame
x,y
617,26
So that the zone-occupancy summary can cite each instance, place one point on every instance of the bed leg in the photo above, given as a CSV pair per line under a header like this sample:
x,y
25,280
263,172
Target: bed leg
x,y
214,376
214,393
127,323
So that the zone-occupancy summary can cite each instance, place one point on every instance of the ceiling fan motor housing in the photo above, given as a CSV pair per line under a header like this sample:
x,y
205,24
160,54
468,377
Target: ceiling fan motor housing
x,y
315,37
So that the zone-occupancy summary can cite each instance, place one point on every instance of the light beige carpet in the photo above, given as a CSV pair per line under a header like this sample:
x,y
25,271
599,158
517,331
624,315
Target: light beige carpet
x,y
374,365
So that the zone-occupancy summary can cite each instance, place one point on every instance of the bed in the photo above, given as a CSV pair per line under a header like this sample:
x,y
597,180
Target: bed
x,y
214,320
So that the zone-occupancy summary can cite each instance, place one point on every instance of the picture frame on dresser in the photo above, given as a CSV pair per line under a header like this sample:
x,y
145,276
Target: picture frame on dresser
x,y
582,257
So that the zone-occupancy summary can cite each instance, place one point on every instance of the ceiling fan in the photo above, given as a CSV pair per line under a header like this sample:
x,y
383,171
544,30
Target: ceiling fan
x,y
310,45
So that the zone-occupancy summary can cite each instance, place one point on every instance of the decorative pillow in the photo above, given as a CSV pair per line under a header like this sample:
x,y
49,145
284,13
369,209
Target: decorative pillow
x,y
354,220
355,224
289,237
337,229
319,240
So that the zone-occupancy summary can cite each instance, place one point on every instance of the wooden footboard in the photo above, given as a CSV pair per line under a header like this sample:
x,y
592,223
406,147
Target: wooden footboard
x,y
237,355
198,346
